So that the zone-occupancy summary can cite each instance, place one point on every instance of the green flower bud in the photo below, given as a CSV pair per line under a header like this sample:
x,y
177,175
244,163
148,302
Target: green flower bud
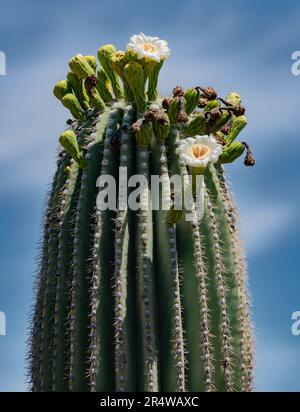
x,y
234,99
192,97
211,104
219,123
105,55
142,131
173,110
69,142
173,216
81,67
134,75
231,152
118,61
71,103
92,61
161,126
153,80
79,90
96,100
61,89
103,86
238,124
196,126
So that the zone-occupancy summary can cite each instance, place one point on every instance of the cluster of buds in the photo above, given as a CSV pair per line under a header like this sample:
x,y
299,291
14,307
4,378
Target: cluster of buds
x,y
197,111
154,121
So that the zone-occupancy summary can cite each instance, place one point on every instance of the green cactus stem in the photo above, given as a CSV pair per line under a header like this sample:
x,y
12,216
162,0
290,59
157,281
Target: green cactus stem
x,y
131,296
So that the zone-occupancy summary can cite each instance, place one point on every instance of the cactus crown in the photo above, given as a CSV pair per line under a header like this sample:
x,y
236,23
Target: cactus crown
x,y
141,299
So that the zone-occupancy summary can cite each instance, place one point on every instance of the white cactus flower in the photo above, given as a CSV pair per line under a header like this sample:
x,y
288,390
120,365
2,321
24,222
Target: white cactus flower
x,y
149,47
197,152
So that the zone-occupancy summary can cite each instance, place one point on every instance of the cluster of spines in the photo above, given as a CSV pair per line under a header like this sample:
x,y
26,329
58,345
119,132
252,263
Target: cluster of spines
x,y
178,331
122,262
246,343
37,338
221,287
101,220
200,274
145,278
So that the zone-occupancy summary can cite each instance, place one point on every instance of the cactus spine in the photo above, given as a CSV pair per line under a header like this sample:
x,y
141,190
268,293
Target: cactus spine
x,y
141,298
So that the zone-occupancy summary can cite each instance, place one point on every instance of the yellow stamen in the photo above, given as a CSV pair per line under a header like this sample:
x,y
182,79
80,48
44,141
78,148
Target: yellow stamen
x,y
198,151
149,48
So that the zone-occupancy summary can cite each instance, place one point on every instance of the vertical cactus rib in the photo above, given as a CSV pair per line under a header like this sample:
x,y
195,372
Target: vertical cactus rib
x,y
64,258
36,344
60,342
172,345
178,332
48,321
101,370
81,276
146,299
246,343
226,340
230,273
200,274
124,274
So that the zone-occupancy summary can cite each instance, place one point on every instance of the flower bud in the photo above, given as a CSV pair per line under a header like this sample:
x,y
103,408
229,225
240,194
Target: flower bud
x,y
153,80
161,125
219,121
232,152
234,99
69,142
211,104
142,131
196,126
103,86
61,89
96,100
92,61
80,67
176,111
191,96
79,90
238,124
71,103
118,62
105,55
134,74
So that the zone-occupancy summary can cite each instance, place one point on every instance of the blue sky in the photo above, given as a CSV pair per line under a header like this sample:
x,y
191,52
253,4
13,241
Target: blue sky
x,y
244,46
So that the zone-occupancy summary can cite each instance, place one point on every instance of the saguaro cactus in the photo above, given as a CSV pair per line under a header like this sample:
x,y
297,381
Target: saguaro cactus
x,y
132,298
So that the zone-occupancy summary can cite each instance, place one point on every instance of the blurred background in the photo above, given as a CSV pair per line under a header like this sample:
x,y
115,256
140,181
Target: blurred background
x,y
242,46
